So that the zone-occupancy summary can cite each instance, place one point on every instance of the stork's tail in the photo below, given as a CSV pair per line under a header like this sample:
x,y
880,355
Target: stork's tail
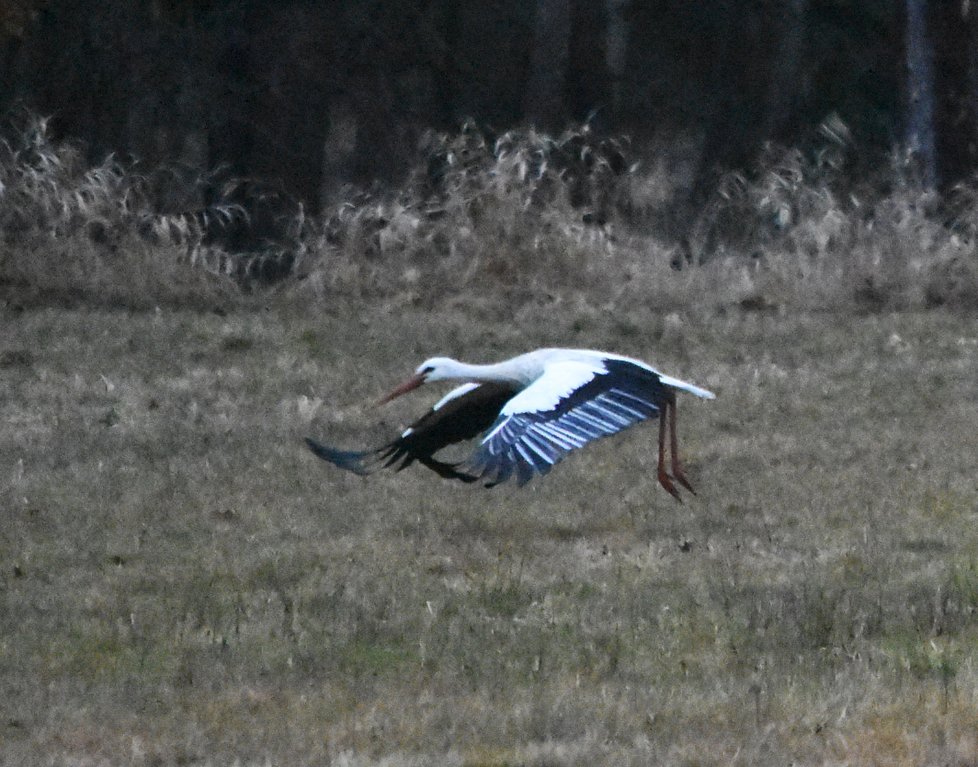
x,y
677,383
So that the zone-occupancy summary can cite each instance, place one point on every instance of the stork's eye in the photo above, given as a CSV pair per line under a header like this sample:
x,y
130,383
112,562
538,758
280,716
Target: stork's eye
x,y
427,369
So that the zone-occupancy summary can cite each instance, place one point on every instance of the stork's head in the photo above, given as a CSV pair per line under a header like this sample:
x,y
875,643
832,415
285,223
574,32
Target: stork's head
x,y
434,369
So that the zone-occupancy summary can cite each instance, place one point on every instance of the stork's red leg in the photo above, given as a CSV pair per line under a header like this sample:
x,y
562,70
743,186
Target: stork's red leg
x,y
677,470
664,479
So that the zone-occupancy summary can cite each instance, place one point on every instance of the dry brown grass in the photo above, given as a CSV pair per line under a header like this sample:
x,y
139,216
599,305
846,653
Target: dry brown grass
x,y
185,584
74,232
501,220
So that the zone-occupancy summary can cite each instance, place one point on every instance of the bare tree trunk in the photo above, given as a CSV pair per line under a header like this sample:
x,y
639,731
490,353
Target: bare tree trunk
x,y
340,147
955,119
544,102
920,137
785,86
616,49
230,133
970,13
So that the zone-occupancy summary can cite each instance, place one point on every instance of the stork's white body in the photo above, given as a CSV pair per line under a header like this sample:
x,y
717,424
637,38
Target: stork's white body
x,y
554,372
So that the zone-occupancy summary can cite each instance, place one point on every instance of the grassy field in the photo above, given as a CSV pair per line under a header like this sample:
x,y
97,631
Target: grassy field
x,y
183,583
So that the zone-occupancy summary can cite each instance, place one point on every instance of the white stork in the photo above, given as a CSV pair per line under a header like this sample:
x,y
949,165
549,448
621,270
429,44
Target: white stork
x,y
533,409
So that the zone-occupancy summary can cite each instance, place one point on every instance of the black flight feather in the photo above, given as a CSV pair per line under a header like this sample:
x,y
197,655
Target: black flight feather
x,y
457,420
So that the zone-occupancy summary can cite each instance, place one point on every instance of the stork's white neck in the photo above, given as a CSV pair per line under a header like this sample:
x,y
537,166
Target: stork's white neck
x,y
510,371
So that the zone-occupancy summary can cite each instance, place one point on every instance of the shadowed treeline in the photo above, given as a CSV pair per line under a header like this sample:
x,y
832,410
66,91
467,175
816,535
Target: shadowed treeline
x,y
316,95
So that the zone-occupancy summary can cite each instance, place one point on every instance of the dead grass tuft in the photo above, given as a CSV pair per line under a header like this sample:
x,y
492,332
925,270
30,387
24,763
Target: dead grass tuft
x,y
499,220
75,232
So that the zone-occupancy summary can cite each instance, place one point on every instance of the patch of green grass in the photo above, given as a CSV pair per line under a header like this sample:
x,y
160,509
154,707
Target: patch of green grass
x,y
105,655
237,344
504,600
366,658
310,341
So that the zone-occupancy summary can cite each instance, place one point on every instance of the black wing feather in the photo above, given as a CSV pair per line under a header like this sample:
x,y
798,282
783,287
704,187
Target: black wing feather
x,y
461,418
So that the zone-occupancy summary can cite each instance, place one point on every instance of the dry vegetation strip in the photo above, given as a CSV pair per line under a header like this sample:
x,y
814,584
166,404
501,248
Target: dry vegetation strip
x,y
184,584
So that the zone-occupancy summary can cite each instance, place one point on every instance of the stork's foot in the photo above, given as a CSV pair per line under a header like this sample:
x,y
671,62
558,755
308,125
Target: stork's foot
x,y
680,476
666,481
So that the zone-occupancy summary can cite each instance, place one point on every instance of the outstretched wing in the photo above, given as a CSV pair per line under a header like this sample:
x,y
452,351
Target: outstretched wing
x,y
570,405
364,462
462,414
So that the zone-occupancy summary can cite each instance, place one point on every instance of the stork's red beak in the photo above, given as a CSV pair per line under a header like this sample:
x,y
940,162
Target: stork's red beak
x,y
412,383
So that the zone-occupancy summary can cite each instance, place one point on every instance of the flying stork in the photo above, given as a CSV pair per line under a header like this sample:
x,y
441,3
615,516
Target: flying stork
x,y
531,411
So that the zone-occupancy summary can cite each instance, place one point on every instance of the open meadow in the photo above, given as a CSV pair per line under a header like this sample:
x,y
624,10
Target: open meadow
x,y
183,583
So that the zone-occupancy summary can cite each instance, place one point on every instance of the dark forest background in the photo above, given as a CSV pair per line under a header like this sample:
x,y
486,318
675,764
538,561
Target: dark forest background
x,y
314,95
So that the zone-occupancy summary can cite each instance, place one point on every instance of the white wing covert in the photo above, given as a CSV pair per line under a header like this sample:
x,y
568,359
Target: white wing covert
x,y
570,405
